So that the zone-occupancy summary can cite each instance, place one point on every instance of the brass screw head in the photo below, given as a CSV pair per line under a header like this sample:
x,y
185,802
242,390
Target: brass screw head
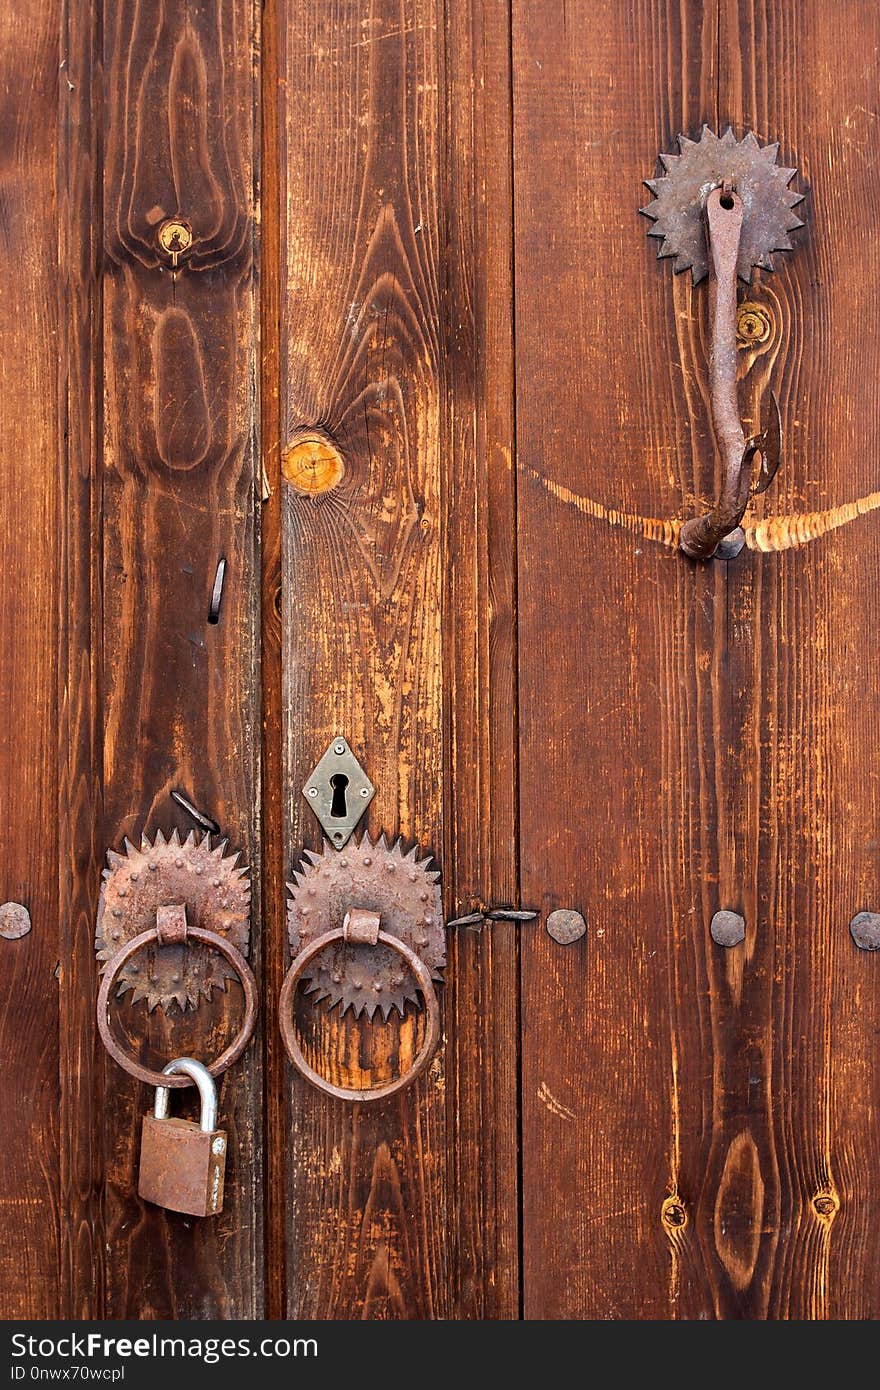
x,y
175,238
754,324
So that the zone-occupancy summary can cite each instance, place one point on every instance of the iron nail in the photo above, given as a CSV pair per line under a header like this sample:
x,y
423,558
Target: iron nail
x,y
566,925
727,928
510,914
865,931
198,816
217,592
15,921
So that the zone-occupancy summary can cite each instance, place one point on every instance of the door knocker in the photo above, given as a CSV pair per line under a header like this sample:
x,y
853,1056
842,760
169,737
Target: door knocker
x,y
723,207
366,932
173,925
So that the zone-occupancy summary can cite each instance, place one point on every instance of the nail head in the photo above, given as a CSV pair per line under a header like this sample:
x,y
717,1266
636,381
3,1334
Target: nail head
x,y
865,930
565,926
727,928
15,921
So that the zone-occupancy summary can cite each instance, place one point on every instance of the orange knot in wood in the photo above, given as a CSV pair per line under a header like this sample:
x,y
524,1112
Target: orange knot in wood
x,y
312,465
673,1214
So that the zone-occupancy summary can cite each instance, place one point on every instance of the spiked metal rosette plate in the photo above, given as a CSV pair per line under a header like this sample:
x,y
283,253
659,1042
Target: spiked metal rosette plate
x,y
216,894
678,208
377,878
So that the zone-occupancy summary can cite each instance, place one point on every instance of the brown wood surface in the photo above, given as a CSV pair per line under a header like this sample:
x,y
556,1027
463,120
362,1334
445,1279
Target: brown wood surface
x,y
80,1286
273,830
361,357
693,737
457,293
29,515
479,661
181,696
398,346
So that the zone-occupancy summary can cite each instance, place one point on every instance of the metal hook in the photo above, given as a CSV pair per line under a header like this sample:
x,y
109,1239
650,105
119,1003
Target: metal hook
x,y
722,207
750,465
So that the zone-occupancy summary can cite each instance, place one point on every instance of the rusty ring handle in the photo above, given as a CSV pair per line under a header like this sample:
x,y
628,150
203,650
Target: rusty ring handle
x,y
207,938
288,1027
701,536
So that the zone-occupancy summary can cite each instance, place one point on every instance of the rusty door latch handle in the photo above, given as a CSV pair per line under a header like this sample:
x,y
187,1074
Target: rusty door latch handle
x,y
749,466
366,934
724,207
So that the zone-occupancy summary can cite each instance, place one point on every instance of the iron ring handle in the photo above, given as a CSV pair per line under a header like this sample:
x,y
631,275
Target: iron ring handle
x,y
229,1055
288,1027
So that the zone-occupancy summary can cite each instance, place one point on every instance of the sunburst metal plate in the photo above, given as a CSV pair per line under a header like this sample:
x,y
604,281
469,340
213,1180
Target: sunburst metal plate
x,y
217,896
678,208
380,878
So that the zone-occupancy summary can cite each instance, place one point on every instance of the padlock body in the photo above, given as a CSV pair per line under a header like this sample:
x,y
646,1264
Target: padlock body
x,y
182,1167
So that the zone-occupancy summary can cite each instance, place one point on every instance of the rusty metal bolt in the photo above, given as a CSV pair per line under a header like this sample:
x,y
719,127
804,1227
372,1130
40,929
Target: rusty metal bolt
x,y
754,324
727,928
565,926
15,921
865,930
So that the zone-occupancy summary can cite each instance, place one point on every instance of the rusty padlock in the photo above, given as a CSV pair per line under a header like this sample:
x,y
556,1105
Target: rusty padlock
x,y
183,1164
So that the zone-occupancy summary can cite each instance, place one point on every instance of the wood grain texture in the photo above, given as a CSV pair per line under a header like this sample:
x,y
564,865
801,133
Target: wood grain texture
x,y
706,1115
181,696
79,821
480,731
274,838
362,357
29,1217
804,625
611,402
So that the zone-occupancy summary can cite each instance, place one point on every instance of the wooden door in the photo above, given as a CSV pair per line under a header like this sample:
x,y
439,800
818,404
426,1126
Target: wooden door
x,y
416,238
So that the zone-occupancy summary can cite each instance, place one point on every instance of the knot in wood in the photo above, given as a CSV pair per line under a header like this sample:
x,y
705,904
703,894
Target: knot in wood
x,y
673,1214
826,1205
312,465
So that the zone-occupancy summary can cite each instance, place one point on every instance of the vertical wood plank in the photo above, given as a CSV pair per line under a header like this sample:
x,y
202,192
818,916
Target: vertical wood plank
x,y
707,726
273,830
362,357
29,518
181,695
804,625
410,372
610,411
79,821
479,512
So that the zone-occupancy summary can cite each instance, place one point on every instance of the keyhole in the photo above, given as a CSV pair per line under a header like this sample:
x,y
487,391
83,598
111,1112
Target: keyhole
x,y
338,782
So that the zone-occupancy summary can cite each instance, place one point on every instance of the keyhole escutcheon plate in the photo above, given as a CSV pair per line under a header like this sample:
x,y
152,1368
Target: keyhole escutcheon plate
x,y
339,792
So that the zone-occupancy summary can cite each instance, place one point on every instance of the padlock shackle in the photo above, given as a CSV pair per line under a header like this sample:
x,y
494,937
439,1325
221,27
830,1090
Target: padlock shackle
x,y
188,1066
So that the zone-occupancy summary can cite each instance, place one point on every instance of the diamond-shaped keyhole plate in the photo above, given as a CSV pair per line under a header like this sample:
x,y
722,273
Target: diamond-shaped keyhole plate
x,y
339,792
